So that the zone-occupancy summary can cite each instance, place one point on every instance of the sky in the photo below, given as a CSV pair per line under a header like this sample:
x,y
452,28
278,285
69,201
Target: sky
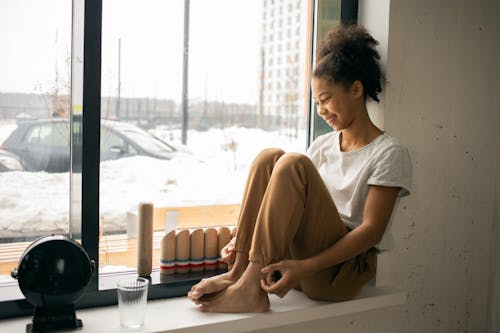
x,y
223,49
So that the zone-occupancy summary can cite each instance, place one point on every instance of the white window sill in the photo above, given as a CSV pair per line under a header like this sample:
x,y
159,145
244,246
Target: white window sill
x,y
181,315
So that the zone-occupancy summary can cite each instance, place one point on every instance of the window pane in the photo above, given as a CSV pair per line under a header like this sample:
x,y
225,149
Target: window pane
x,y
245,91
35,63
328,16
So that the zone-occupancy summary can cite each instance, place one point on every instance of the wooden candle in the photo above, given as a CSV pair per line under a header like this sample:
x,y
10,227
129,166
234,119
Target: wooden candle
x,y
223,237
182,248
167,253
210,261
145,239
197,250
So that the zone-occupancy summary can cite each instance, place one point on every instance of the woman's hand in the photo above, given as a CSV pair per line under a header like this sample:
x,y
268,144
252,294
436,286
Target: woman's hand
x,y
289,276
227,253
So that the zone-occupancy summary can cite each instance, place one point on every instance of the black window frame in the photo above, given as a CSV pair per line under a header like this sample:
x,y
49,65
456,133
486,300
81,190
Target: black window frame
x,y
348,15
90,145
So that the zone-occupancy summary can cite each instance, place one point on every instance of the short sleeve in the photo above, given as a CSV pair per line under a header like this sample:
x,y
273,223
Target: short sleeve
x,y
393,168
314,151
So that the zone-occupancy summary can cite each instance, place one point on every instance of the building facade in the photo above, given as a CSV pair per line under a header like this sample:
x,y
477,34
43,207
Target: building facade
x,y
284,62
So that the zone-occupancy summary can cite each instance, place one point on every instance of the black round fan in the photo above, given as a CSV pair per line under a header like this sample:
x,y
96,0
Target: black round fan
x,y
53,273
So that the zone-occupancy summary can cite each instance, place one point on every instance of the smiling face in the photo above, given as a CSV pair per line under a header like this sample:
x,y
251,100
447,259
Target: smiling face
x,y
337,104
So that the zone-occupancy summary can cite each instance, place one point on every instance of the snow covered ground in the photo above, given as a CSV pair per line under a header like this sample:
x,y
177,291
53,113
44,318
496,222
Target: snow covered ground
x,y
214,172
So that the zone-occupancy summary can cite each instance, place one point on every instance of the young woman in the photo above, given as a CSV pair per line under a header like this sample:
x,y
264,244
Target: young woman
x,y
312,221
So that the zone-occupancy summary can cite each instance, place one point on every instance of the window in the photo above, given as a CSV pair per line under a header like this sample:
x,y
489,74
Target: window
x,y
34,66
54,135
329,13
114,146
172,129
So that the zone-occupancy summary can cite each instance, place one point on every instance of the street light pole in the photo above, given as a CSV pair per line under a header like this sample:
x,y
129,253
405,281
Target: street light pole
x,y
118,100
185,73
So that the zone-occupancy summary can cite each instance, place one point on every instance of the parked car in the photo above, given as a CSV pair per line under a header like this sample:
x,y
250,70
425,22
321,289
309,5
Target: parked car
x,y
9,162
44,144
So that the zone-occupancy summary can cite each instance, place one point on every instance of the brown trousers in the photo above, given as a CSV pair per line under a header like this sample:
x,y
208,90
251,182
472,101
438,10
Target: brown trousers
x,y
287,212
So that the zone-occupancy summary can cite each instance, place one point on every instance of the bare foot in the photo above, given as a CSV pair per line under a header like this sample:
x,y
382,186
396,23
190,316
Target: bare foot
x,y
237,298
212,285
246,295
220,282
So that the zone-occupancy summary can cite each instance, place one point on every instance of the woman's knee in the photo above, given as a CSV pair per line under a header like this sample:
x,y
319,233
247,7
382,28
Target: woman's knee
x,y
268,156
291,161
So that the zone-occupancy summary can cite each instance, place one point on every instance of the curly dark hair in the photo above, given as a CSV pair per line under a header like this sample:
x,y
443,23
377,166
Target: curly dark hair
x,y
348,54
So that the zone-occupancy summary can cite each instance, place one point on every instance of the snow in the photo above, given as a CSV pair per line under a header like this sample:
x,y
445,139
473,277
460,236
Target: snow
x,y
211,169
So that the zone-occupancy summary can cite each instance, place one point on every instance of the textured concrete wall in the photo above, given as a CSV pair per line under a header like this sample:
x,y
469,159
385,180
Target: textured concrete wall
x,y
442,101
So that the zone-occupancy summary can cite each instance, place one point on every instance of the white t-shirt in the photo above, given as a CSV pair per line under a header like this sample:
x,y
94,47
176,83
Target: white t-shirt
x,y
347,175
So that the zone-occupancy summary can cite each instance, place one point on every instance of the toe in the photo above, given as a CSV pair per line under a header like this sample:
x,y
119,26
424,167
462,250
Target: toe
x,y
194,295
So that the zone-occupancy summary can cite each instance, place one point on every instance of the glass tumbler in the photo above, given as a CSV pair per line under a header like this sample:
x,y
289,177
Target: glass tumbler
x,y
132,298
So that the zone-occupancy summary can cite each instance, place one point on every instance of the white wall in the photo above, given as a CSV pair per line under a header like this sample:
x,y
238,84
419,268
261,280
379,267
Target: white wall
x,y
374,15
441,101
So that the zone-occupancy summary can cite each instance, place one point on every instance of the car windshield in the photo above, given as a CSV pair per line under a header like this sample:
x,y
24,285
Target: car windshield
x,y
147,141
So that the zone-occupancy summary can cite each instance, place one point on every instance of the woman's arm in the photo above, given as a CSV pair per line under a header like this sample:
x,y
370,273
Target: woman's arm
x,y
377,212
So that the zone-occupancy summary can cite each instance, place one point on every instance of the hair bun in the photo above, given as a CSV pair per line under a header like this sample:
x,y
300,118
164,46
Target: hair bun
x,y
348,53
